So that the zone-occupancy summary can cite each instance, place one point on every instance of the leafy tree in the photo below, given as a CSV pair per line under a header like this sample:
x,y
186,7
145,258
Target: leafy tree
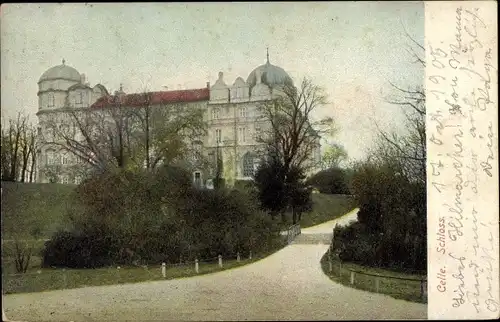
x,y
333,156
331,181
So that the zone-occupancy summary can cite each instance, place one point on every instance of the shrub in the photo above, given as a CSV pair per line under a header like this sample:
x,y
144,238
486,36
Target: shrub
x,y
391,227
330,181
152,217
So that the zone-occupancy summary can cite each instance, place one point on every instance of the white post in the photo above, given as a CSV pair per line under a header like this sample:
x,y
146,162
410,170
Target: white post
x,y
196,266
220,261
340,268
330,264
238,257
164,270
250,255
377,284
352,277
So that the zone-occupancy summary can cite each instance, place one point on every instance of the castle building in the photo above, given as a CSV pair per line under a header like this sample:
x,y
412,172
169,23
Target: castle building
x,y
230,110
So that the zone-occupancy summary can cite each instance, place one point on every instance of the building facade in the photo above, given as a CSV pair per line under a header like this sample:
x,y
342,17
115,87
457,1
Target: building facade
x,y
231,111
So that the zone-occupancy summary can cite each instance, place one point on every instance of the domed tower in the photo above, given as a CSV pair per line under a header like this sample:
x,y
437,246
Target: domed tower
x,y
53,86
272,76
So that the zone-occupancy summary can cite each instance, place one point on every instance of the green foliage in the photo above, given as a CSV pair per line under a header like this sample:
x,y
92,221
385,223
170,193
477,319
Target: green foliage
x,y
391,227
331,181
280,189
148,217
334,155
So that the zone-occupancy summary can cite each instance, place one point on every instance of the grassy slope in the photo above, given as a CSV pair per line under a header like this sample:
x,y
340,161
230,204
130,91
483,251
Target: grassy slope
x,y
397,288
325,208
29,205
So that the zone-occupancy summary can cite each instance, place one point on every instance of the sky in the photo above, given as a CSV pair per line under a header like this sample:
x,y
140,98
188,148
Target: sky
x,y
351,49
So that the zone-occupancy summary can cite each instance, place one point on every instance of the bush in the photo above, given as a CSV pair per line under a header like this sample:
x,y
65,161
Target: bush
x,y
153,217
330,181
391,227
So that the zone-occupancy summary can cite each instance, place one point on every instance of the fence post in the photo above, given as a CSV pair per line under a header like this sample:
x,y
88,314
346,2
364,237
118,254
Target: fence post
x,y
164,270
352,278
196,266
377,284
220,261
250,255
330,264
340,268
238,257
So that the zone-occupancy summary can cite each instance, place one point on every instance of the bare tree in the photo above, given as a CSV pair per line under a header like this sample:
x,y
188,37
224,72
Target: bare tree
x,y
96,137
293,136
407,151
130,133
18,149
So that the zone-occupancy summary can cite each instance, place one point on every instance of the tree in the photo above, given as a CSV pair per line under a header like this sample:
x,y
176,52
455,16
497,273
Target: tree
x,y
390,187
18,153
333,155
278,191
290,144
96,137
131,132
293,136
332,181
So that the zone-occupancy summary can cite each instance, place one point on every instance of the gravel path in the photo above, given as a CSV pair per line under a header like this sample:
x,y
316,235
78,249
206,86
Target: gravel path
x,y
288,285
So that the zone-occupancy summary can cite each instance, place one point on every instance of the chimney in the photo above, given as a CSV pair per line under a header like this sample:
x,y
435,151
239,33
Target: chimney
x,y
208,85
82,78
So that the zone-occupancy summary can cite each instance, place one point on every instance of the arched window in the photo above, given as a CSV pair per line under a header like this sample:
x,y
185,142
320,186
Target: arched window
x,y
51,100
248,168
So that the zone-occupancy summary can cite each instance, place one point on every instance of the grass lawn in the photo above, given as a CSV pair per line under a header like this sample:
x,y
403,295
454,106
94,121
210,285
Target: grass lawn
x,y
26,206
38,280
397,288
325,208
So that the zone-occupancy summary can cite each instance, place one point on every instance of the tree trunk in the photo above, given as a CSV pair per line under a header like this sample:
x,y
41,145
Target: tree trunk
x,y
147,138
33,164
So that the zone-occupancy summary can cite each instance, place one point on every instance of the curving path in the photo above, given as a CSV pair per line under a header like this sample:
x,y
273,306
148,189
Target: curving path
x,y
288,285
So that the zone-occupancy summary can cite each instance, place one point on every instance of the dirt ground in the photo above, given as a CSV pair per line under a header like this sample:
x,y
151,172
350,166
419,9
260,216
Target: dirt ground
x,y
288,285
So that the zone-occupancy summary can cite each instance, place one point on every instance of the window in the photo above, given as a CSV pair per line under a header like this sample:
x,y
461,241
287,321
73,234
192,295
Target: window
x,y
79,98
197,179
78,179
248,167
215,113
66,158
65,179
50,157
243,112
242,134
218,135
51,100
